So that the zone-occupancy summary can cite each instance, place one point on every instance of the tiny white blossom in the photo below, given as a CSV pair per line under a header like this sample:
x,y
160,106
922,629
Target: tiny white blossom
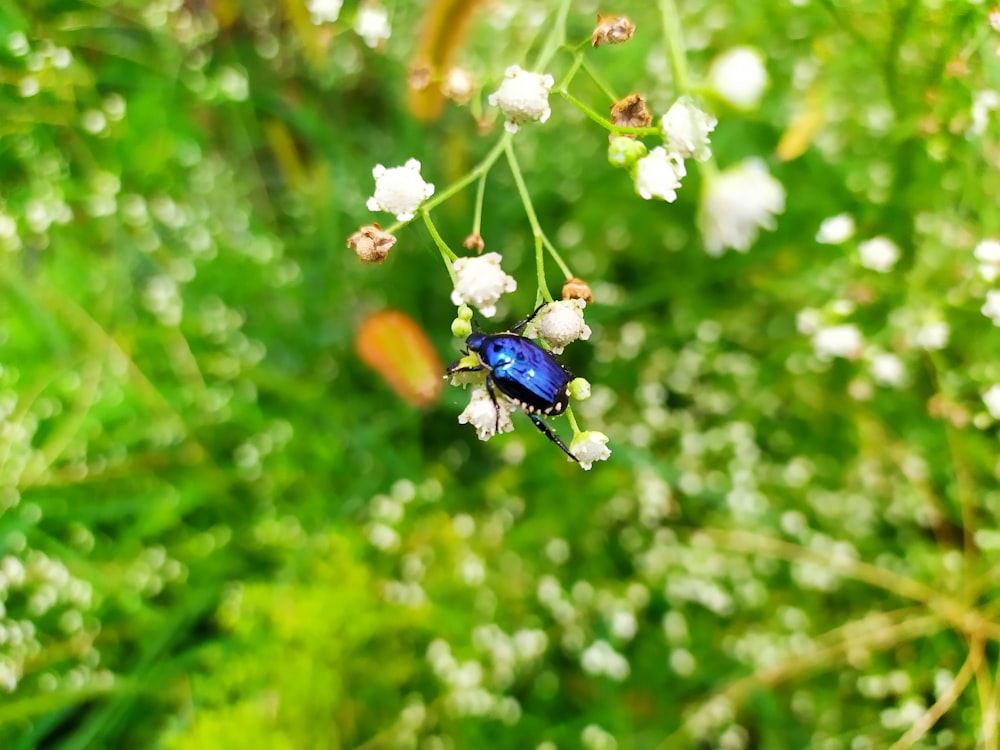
x,y
480,281
459,85
559,324
992,400
399,190
372,24
991,308
838,341
600,658
738,75
932,336
888,369
808,320
985,103
879,254
686,128
987,253
736,203
324,11
482,414
836,229
658,175
589,447
522,97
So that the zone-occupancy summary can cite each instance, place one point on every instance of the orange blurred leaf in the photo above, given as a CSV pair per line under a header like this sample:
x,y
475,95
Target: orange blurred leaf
x,y
394,345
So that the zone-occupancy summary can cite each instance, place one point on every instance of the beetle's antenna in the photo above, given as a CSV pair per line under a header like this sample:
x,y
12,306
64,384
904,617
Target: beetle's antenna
x,y
476,327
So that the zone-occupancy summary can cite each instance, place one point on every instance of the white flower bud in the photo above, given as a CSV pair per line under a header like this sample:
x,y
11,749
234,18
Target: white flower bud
x,y
736,203
523,97
481,413
686,128
738,75
658,175
399,190
560,324
480,281
589,447
879,254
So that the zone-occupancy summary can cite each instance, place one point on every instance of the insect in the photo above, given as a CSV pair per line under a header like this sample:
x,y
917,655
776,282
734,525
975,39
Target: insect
x,y
524,372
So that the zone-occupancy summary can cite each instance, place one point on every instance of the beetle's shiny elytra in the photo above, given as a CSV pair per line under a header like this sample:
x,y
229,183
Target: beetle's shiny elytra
x,y
528,375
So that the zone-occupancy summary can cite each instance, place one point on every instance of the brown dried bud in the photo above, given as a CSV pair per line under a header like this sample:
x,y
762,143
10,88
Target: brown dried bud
x,y
631,112
474,242
575,288
612,30
371,243
420,76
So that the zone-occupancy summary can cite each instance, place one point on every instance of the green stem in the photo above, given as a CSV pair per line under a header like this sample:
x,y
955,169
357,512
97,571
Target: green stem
x,y
675,45
536,228
571,73
598,81
604,123
572,421
557,257
477,217
556,38
446,254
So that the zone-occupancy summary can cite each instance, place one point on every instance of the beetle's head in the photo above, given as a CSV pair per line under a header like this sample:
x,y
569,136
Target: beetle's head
x,y
475,340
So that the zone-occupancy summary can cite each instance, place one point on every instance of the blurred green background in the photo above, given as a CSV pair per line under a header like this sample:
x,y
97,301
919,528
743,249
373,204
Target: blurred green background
x,y
219,528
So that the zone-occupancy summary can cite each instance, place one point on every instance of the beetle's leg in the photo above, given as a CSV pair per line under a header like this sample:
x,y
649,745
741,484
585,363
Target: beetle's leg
x,y
551,435
452,369
527,320
493,398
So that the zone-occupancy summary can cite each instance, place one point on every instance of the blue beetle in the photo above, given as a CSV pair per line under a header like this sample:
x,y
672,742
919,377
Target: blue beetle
x,y
528,375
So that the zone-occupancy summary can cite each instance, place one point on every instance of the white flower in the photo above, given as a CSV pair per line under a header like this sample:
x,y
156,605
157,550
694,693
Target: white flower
x,y
836,229
738,75
600,658
984,104
482,414
324,11
399,190
685,129
932,336
372,24
736,203
887,369
480,281
522,97
991,308
658,175
992,400
879,254
459,85
560,324
589,447
987,253
808,320
838,341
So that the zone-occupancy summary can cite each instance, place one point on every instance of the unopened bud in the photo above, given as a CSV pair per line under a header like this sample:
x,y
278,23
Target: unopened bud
x,y
579,388
624,151
461,328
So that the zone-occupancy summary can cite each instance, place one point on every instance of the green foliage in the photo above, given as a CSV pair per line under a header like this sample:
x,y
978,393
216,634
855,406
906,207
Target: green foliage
x,y
218,528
